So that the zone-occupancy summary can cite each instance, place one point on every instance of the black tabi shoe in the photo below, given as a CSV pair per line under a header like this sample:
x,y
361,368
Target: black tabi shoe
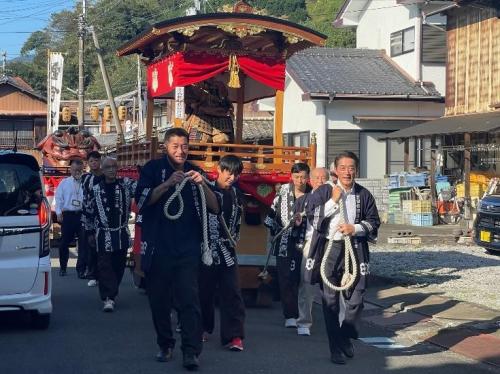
x,y
165,355
338,358
62,272
190,362
347,348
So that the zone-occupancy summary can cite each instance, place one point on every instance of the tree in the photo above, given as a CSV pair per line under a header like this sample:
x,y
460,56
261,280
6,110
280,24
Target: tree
x,y
117,22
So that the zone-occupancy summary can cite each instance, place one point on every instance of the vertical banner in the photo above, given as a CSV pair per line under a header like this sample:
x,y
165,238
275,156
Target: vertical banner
x,y
179,106
55,74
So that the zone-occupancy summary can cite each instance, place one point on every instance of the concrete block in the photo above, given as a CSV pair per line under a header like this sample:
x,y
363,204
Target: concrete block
x,y
412,240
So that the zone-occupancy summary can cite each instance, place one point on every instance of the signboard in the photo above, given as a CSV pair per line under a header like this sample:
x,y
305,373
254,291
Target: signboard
x,y
179,103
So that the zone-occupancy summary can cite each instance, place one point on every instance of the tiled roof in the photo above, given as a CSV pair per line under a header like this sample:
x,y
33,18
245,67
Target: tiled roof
x,y
21,85
257,129
350,71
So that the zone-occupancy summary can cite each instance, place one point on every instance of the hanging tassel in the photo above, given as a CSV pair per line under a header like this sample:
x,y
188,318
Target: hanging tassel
x,y
234,70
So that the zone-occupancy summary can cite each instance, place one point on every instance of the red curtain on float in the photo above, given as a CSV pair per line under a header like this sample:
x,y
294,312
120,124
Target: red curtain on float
x,y
183,69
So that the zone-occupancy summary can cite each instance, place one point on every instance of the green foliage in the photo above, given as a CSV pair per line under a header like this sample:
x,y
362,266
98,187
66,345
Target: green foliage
x,y
321,15
117,22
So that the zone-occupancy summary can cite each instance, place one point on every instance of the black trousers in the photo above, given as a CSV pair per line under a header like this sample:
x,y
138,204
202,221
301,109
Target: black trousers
x,y
287,268
338,332
225,281
111,267
166,277
83,245
70,228
91,255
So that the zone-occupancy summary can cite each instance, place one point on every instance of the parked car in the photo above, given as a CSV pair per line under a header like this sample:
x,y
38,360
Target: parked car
x,y
487,223
25,276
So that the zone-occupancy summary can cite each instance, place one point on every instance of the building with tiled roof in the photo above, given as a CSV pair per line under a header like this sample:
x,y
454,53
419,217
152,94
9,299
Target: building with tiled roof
x,y
351,97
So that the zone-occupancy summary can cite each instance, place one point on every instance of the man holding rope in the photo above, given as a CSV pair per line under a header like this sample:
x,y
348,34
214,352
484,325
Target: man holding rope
x,y
345,218
172,243
223,276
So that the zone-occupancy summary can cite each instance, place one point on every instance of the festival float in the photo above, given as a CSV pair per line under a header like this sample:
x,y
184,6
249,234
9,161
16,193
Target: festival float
x,y
211,64
58,149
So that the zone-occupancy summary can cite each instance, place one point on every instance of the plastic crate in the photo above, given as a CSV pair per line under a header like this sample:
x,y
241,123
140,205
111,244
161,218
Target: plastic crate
x,y
421,206
416,180
425,219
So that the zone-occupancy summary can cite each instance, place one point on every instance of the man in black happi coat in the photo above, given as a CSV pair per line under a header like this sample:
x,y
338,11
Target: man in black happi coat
x,y
171,249
109,203
361,224
223,274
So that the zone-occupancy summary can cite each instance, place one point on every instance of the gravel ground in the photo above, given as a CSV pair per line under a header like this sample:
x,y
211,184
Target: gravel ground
x,y
466,273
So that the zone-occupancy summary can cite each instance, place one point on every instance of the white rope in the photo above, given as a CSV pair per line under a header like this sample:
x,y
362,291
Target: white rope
x,y
206,256
350,263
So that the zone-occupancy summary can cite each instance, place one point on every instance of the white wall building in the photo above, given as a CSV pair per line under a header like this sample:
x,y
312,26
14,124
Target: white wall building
x,y
350,98
408,30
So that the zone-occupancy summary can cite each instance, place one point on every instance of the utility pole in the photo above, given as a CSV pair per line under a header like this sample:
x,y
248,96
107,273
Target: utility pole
x,y
109,93
4,64
81,82
139,96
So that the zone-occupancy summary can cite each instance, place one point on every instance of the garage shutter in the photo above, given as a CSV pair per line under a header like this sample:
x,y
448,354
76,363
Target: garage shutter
x,y
342,140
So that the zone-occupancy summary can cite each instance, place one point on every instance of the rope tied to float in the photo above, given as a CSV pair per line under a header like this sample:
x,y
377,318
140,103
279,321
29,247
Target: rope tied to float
x,y
350,262
206,255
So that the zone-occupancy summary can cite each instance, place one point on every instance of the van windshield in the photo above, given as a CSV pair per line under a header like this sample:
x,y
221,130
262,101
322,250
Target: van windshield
x,y
20,190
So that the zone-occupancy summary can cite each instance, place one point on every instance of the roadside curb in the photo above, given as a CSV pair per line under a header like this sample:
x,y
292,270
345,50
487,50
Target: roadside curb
x,y
476,334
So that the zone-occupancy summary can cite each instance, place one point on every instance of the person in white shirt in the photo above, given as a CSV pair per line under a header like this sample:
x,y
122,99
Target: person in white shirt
x,y
69,202
358,222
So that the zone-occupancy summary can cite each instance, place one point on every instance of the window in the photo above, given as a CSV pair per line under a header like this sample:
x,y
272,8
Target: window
x,y
20,190
402,41
434,44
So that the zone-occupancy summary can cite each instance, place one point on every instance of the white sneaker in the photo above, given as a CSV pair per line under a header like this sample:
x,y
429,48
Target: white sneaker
x,y
303,331
92,283
291,322
109,306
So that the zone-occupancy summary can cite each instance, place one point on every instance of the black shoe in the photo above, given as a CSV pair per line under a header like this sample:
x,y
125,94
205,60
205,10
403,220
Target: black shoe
x,y
347,348
338,358
81,275
190,362
62,272
165,355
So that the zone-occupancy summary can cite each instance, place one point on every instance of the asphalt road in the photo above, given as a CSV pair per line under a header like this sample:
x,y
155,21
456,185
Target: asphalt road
x,y
82,339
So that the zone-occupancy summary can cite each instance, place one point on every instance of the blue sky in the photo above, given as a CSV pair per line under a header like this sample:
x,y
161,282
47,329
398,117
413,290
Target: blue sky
x,y
18,18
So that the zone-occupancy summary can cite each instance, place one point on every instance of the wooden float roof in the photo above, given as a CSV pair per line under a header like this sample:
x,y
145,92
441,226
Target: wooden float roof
x,y
244,33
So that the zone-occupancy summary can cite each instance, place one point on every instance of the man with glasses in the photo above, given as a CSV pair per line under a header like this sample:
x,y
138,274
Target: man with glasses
x,y
69,202
359,222
110,203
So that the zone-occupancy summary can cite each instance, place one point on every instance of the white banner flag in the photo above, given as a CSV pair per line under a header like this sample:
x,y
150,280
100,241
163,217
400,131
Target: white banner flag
x,y
56,62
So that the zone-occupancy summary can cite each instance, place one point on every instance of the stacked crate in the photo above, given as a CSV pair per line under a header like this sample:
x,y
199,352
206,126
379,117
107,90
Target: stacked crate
x,y
421,213
380,191
396,214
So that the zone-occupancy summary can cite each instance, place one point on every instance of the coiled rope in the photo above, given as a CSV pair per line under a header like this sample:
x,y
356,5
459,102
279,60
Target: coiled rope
x,y
350,262
206,255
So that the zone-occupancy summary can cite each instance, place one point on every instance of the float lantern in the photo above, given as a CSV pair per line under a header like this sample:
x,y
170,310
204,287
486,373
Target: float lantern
x,y
122,112
107,113
94,113
66,114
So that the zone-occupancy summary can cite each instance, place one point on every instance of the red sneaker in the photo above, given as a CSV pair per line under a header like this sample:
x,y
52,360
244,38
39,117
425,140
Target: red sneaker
x,y
236,345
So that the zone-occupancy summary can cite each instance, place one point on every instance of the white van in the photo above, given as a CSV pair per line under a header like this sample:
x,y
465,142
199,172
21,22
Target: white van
x,y
25,276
